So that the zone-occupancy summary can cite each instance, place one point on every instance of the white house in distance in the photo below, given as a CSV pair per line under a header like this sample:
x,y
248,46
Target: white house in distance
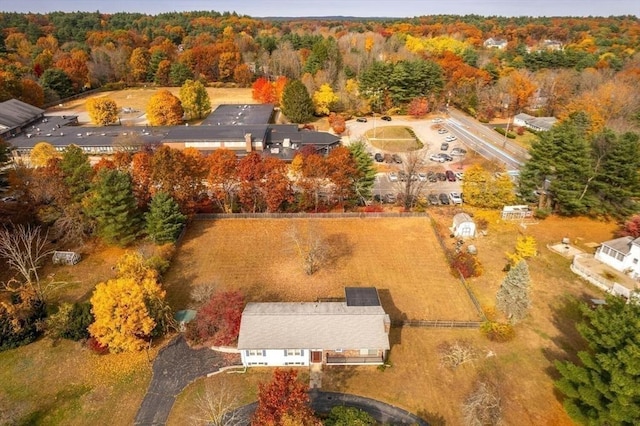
x,y
495,43
622,254
353,332
540,124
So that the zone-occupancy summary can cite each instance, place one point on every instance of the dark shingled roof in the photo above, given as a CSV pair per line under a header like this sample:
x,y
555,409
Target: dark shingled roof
x,y
15,113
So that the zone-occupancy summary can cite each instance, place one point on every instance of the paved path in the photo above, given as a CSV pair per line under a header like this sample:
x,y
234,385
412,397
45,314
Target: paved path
x,y
323,402
176,366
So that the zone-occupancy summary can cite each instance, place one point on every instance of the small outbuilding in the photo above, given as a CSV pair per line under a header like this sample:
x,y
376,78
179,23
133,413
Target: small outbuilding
x,y
463,226
65,257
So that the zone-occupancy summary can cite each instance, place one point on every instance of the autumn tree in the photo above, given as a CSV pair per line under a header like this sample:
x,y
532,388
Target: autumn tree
x,y
601,388
324,100
484,189
164,109
283,397
310,246
263,91
526,247
139,63
311,179
102,111
114,208
218,320
296,102
222,177
123,321
343,173
164,221
275,185
631,227
513,296
141,176
195,99
337,123
418,107
41,153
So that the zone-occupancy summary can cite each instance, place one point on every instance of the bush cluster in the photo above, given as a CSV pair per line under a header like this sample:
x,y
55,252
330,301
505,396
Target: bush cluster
x,y
498,331
467,264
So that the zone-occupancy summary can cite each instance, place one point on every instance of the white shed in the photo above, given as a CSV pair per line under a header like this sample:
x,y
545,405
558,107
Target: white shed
x,y
463,226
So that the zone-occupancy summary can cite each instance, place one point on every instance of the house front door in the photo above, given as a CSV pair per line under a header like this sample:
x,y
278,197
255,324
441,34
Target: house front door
x,y
316,356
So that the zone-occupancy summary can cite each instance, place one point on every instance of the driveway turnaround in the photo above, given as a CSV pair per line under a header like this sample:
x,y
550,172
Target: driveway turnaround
x,y
323,402
176,366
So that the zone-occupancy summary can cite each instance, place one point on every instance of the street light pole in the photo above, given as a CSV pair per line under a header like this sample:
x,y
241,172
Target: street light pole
x,y
504,144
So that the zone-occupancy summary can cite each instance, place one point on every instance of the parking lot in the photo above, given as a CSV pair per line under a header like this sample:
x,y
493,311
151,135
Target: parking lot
x,y
443,152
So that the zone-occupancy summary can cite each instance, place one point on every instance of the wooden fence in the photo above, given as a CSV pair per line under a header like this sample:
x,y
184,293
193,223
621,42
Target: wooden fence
x,y
362,215
437,323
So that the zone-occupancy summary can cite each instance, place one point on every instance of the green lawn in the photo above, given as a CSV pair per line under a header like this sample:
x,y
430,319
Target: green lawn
x,y
393,138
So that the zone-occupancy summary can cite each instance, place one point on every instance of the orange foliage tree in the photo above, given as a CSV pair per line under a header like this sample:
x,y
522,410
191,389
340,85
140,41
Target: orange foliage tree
x,y
418,107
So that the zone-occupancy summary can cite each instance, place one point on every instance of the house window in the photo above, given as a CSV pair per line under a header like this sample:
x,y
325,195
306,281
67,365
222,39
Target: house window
x,y
294,363
605,250
338,350
619,256
293,352
368,352
635,261
256,352
257,363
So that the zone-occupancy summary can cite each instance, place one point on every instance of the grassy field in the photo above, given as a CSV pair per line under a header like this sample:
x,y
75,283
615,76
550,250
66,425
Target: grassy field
x,y
393,139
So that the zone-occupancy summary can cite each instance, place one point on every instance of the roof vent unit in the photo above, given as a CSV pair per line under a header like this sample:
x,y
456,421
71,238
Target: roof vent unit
x,y
286,143
275,150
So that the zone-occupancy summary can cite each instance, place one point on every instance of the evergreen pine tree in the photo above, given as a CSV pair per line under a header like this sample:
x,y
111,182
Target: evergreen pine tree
x,y
77,171
603,389
164,221
513,295
114,208
364,163
296,102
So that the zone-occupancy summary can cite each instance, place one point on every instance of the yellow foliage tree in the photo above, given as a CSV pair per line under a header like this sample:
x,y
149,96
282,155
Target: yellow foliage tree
x,y
195,99
323,99
123,321
526,247
164,109
102,111
482,188
41,153
128,308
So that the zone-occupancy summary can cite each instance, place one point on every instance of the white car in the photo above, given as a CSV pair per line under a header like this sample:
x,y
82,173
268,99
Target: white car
x,y
422,177
458,151
455,198
393,177
450,138
459,175
436,158
437,120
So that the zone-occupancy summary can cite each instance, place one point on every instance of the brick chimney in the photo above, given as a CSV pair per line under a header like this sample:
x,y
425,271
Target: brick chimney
x,y
247,141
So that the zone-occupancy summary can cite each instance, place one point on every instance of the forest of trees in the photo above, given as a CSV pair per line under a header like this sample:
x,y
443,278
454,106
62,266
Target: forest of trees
x,y
379,65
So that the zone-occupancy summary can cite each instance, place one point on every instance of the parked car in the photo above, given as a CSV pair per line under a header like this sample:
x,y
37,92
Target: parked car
x,y
446,157
441,176
378,157
459,175
402,176
385,118
444,146
388,158
458,151
361,120
442,131
437,158
422,177
455,198
9,199
396,159
431,177
444,198
451,177
450,138
437,120
390,198
393,177
433,199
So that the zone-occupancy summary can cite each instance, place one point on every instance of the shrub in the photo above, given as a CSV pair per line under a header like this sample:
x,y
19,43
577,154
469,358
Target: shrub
x,y
78,321
348,416
520,131
502,131
498,331
541,213
482,224
20,320
161,259
373,208
467,264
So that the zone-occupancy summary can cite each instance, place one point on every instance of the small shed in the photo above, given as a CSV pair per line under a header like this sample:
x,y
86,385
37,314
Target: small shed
x,y
463,226
65,257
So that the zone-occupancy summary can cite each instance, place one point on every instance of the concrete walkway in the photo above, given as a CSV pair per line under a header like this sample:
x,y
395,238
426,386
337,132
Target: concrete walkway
x,y
176,366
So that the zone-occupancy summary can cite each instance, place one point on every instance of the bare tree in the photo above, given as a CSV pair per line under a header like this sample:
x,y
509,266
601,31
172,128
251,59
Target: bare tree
x,y
453,355
216,406
409,184
310,246
24,249
482,406
202,293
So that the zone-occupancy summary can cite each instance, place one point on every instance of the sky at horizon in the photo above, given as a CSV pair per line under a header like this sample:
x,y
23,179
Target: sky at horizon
x,y
358,8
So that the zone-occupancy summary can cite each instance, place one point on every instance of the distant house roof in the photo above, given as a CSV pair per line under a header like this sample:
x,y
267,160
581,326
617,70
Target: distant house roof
x,y
536,123
15,113
495,43
313,325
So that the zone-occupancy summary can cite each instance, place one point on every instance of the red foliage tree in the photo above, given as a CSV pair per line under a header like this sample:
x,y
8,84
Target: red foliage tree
x,y
337,123
343,172
283,398
276,185
218,320
263,91
631,227
418,107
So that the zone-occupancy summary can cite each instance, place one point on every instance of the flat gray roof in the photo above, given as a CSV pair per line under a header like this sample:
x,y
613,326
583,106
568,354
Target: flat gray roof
x,y
15,113
240,114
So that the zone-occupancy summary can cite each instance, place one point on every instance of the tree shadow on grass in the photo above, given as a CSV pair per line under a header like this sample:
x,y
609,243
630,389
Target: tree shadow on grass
x,y
338,247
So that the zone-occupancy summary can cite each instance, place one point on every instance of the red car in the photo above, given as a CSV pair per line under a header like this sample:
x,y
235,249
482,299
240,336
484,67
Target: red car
x,y
451,177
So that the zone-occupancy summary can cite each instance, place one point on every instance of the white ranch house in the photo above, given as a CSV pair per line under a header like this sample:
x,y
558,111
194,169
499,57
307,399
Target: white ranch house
x,y
352,332
622,254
